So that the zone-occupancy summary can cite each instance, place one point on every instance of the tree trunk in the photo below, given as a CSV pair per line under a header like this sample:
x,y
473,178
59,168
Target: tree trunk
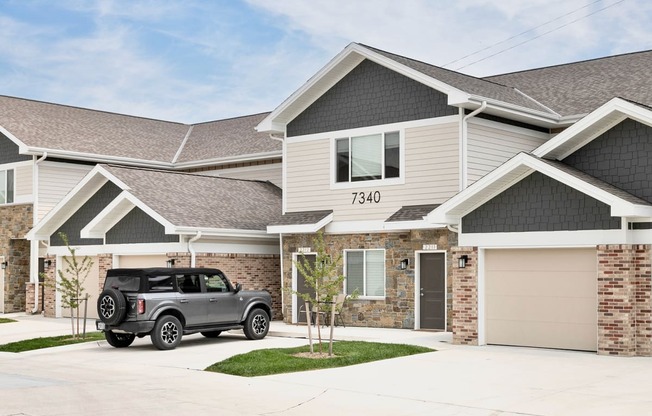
x,y
309,323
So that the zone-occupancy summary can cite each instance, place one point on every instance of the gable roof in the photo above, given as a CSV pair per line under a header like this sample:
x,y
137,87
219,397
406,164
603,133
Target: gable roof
x,y
522,165
462,90
84,134
184,203
580,87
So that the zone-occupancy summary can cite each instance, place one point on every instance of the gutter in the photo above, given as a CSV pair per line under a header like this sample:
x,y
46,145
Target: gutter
x,y
191,249
33,267
464,159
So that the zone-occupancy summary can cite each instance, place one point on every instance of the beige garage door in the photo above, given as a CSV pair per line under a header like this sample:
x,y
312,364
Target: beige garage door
x,y
155,260
91,286
542,298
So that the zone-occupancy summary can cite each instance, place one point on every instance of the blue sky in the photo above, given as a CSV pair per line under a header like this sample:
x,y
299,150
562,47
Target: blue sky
x,y
200,60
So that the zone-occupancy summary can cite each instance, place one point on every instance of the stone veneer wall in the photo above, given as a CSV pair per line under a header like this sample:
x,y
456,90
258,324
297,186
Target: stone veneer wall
x,y
397,309
252,271
624,296
465,297
15,222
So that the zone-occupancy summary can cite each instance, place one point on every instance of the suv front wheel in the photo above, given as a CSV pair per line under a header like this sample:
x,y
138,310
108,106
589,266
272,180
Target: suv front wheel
x,y
167,332
257,324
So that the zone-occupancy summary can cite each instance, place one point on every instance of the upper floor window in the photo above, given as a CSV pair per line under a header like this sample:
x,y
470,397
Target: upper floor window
x,y
365,272
366,158
6,186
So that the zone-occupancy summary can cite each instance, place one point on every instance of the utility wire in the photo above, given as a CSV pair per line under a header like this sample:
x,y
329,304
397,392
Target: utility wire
x,y
534,38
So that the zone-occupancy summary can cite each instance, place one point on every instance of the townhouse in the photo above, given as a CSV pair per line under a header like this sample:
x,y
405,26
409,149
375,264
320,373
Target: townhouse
x,y
510,209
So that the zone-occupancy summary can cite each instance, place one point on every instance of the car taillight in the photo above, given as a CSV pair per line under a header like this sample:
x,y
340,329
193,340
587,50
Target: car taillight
x,y
141,306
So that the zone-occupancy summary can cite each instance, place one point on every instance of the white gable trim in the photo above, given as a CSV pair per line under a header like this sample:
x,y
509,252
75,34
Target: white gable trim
x,y
512,172
593,125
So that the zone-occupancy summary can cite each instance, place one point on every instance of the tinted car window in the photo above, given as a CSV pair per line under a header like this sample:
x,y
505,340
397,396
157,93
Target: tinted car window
x,y
161,283
189,283
123,283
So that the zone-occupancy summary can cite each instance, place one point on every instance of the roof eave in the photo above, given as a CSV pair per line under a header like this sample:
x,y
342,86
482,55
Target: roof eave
x,y
95,158
229,160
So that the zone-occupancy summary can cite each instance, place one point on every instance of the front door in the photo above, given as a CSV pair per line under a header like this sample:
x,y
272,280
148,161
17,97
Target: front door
x,y
432,277
2,287
302,287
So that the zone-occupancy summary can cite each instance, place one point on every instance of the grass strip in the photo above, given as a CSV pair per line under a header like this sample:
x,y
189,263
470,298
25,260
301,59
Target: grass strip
x,y
48,342
6,320
283,360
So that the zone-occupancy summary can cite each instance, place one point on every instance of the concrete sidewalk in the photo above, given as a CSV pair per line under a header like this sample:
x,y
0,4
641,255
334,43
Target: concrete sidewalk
x,y
35,326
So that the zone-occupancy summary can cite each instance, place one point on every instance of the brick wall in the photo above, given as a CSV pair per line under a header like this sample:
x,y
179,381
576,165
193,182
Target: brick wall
x,y
396,310
465,296
104,262
252,271
624,314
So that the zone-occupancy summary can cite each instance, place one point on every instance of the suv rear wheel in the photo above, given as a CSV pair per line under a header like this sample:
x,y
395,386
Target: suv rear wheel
x,y
111,306
167,332
119,340
257,324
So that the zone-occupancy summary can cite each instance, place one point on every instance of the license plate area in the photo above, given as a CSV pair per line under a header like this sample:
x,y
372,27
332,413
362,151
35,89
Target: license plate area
x,y
101,326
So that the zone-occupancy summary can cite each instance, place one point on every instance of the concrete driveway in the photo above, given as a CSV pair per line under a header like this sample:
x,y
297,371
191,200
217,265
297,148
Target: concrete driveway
x,y
95,378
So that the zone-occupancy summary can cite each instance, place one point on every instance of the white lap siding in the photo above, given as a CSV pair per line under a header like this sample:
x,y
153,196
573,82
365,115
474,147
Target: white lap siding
x,y
55,181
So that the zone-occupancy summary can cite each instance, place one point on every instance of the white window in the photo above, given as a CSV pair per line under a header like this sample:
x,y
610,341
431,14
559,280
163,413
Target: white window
x,y
6,186
365,271
368,158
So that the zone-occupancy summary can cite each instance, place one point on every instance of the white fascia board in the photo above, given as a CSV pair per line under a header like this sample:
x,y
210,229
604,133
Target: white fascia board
x,y
108,217
550,119
22,147
631,210
623,108
81,193
411,225
300,228
224,232
541,239
121,249
229,160
96,158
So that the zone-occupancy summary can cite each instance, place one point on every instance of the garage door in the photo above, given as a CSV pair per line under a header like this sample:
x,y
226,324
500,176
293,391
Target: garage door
x,y
91,286
542,298
155,260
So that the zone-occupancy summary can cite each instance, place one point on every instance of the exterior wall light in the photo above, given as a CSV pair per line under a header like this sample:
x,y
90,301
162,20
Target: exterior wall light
x,y
170,263
47,263
404,264
461,262
3,265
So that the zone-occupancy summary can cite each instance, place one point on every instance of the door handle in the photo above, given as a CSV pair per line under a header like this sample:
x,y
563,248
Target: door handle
x,y
212,300
183,301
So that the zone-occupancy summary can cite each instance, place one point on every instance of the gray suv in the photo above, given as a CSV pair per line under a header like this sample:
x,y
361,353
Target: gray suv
x,y
166,303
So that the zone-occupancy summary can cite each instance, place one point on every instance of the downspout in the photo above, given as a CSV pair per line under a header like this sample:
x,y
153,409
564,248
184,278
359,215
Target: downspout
x,y
191,249
33,266
464,179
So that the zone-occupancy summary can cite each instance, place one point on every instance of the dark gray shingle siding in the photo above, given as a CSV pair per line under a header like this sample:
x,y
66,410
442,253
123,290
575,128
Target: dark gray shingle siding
x,y
9,151
622,157
138,227
539,203
84,215
370,95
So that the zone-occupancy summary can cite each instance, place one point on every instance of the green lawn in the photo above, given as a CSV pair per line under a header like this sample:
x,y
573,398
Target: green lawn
x,y
282,360
38,343
6,320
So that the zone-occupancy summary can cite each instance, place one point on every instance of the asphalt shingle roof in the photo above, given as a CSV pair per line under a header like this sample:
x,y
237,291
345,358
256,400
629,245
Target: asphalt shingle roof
x,y
193,200
302,217
50,126
412,212
581,87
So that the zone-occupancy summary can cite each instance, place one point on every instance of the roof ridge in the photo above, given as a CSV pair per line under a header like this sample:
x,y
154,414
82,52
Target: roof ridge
x,y
91,109
567,64
197,174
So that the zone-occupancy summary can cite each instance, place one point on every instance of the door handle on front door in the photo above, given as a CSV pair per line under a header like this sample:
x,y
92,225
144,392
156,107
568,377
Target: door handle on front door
x,y
212,300
183,301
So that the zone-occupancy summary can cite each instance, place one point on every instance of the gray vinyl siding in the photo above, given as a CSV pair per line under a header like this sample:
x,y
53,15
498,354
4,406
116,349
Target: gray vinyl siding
x,y
370,95
138,227
9,151
621,156
431,175
491,144
539,203
73,226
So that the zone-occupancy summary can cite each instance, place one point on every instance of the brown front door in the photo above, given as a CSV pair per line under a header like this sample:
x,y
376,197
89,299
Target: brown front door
x,y
302,287
433,290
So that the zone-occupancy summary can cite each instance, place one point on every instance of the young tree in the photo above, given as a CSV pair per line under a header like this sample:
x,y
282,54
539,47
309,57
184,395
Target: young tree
x,y
326,281
72,276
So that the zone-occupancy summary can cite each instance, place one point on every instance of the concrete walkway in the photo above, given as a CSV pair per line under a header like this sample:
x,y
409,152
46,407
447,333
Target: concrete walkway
x,y
94,378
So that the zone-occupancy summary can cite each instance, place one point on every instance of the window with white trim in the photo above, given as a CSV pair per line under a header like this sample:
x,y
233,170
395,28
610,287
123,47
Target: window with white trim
x,y
6,186
365,271
367,158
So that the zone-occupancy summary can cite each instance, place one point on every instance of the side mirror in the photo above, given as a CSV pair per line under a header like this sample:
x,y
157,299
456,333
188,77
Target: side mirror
x,y
238,287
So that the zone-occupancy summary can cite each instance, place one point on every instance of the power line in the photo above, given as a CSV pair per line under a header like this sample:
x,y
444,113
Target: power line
x,y
534,38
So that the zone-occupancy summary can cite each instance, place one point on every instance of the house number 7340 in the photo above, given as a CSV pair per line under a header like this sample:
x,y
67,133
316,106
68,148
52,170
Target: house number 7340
x,y
366,197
